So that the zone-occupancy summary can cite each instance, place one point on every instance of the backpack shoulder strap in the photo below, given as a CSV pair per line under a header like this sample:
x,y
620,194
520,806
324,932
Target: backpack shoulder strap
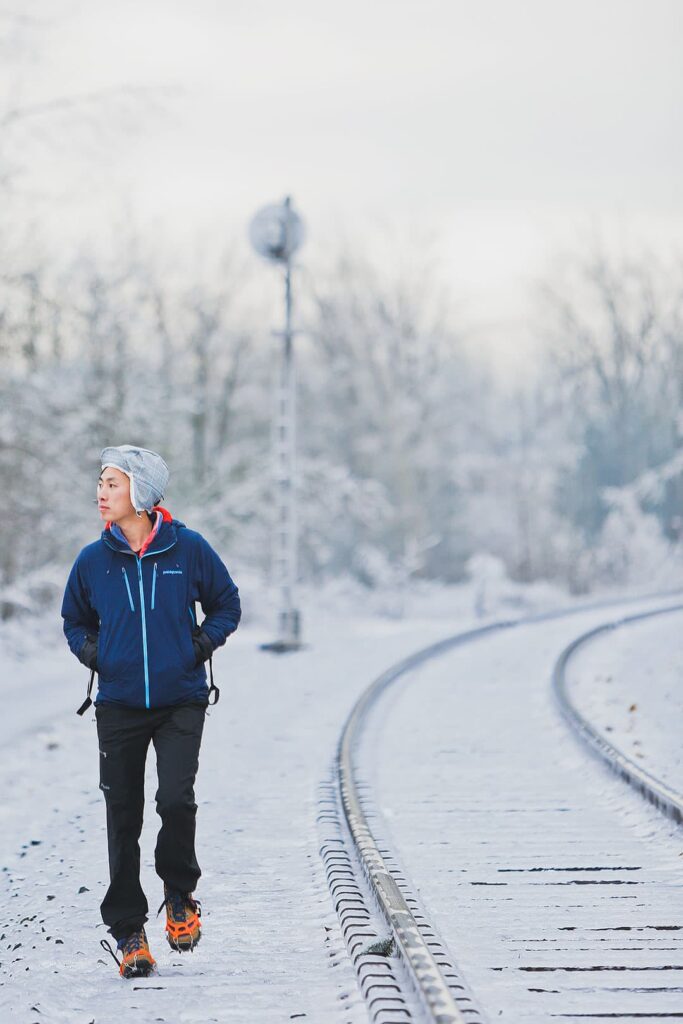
x,y
213,688
87,702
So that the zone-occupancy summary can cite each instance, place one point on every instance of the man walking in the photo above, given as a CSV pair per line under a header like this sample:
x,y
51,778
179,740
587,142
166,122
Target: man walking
x,y
130,614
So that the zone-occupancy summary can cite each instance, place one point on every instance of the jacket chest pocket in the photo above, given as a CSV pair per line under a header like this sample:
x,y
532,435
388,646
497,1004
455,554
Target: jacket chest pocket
x,y
118,598
129,591
168,592
170,618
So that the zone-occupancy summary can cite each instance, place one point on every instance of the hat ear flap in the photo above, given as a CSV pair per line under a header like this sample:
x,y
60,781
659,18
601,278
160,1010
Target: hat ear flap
x,y
132,492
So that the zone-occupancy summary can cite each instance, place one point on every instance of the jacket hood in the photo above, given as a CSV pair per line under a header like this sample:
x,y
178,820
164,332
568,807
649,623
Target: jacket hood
x,y
166,535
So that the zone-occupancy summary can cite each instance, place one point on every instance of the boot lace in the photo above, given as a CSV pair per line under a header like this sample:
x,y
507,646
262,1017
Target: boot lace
x,y
135,942
178,903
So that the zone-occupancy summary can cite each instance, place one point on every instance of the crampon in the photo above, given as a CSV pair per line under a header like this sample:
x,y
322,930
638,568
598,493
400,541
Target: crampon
x,y
183,927
136,959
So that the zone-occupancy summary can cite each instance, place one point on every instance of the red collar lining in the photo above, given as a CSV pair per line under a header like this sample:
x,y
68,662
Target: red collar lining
x,y
166,517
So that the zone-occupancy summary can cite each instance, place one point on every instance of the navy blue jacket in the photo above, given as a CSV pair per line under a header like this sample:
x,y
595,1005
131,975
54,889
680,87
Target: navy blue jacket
x,y
143,611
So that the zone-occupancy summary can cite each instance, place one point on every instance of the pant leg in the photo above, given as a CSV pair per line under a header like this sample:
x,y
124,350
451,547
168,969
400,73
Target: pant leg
x,y
124,735
177,740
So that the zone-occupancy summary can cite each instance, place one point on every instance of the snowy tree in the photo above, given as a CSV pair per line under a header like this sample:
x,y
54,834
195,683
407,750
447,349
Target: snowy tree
x,y
617,348
386,391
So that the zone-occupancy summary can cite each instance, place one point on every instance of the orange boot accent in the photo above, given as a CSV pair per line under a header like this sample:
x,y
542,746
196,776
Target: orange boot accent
x,y
183,927
137,960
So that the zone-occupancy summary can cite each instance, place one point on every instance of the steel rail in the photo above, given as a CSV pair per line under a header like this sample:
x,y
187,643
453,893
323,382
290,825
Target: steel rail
x,y
666,799
429,982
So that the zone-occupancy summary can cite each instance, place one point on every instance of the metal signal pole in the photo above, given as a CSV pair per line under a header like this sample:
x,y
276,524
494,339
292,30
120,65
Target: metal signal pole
x,y
276,233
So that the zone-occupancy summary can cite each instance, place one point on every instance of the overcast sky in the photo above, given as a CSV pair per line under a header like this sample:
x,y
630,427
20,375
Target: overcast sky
x,y
510,127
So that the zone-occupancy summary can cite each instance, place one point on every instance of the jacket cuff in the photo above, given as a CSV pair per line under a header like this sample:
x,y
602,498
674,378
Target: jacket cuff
x,y
203,646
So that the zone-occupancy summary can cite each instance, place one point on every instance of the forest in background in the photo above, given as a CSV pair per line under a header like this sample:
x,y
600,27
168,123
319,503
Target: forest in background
x,y
415,460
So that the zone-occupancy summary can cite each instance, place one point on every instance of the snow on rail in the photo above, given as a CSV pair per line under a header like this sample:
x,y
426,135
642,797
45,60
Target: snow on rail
x,y
441,990
668,800
520,814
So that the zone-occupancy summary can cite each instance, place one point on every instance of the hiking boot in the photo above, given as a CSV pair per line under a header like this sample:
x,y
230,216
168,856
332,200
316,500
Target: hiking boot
x,y
183,928
136,959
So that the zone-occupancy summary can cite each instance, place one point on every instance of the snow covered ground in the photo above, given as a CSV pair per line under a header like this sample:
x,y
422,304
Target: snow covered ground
x,y
554,885
271,949
270,930
629,684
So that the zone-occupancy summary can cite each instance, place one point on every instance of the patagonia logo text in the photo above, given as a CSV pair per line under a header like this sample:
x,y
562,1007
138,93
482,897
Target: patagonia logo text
x,y
173,572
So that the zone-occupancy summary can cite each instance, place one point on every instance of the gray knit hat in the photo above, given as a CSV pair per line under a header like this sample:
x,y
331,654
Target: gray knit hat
x,y
147,471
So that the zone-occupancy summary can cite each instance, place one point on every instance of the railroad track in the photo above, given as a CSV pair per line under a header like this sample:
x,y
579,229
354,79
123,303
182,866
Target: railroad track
x,y
666,799
378,907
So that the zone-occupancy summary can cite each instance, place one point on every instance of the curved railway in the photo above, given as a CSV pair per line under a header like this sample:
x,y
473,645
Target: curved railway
x,y
381,911
668,800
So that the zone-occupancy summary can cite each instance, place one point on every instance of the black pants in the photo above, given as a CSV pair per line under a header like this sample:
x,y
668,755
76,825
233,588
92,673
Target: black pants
x,y
124,738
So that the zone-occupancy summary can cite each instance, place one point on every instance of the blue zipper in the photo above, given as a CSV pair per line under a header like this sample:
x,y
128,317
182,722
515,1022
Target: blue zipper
x,y
144,620
144,630
194,622
154,584
130,596
142,605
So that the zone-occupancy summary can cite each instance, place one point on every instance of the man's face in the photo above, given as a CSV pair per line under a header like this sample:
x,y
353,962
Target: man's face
x,y
113,495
